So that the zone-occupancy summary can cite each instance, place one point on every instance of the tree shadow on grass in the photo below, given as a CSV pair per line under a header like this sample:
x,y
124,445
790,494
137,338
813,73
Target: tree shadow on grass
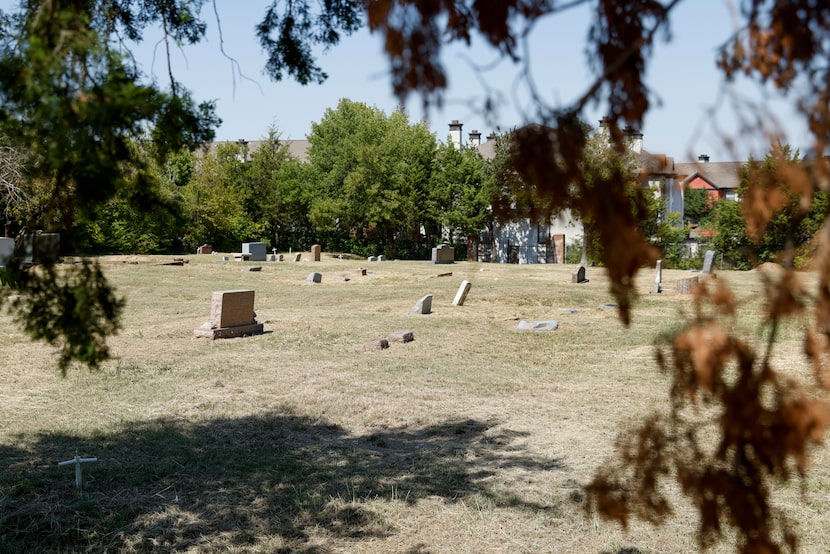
x,y
261,482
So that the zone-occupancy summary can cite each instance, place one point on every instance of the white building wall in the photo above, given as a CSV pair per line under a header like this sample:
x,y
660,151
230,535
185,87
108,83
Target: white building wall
x,y
531,246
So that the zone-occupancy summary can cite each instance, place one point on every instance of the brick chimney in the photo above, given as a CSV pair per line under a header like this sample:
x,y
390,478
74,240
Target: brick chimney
x,y
475,138
703,158
455,133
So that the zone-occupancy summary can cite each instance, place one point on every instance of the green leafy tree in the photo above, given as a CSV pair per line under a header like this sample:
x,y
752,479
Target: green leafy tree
x,y
790,227
745,241
697,205
669,238
373,173
730,237
213,204
457,197
141,218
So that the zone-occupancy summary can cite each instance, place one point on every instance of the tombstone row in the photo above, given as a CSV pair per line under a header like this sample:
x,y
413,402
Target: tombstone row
x,y
258,252
35,249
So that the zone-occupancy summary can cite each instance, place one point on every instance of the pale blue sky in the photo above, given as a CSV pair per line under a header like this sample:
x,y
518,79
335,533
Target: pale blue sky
x,y
682,75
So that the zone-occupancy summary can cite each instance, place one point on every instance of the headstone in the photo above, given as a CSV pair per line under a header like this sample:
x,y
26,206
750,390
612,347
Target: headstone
x,y
315,252
242,256
461,295
253,268
381,258
551,325
423,306
6,250
570,311
658,277
225,258
231,315
373,258
708,260
280,258
687,286
205,249
401,336
376,344
272,257
257,250
362,271
41,248
314,277
443,254
578,276
298,256
341,278
559,249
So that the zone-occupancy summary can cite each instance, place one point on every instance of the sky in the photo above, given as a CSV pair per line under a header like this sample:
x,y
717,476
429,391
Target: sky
x,y
687,87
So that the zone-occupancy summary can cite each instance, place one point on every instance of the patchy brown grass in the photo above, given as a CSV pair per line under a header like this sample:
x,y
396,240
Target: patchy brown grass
x,y
475,437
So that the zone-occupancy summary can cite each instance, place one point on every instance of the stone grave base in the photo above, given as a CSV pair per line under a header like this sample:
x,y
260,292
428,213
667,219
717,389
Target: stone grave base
x,y
205,331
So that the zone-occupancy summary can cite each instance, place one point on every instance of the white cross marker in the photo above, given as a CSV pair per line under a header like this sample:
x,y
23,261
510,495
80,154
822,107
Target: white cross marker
x,y
77,460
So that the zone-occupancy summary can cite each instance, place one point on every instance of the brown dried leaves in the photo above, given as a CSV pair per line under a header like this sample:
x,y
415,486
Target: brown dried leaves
x,y
563,173
765,424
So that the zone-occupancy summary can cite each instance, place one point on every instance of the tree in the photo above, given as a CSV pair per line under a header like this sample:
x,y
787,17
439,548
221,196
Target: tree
x,y
743,239
262,194
214,205
13,197
457,197
697,205
373,173
730,236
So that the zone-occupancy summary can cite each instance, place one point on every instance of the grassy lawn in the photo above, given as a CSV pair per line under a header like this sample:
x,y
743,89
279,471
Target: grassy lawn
x,y
475,437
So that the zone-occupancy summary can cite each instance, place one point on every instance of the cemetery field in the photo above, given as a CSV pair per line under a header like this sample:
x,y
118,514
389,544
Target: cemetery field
x,y
474,437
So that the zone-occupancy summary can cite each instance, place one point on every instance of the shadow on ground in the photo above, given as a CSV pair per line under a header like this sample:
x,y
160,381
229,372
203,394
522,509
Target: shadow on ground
x,y
264,482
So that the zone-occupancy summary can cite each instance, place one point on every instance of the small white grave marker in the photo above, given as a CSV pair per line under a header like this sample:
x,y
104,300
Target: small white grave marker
x,y
77,461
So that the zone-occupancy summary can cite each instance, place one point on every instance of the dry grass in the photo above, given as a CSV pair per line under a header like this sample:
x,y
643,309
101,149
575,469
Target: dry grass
x,y
475,437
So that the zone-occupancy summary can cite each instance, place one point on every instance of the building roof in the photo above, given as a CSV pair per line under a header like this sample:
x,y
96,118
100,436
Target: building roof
x,y
487,149
721,175
297,149
654,164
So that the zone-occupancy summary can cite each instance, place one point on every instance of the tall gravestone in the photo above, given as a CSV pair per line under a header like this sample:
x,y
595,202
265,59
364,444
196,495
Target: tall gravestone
x,y
708,261
423,306
40,248
462,293
258,251
315,252
559,249
6,250
658,277
231,315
